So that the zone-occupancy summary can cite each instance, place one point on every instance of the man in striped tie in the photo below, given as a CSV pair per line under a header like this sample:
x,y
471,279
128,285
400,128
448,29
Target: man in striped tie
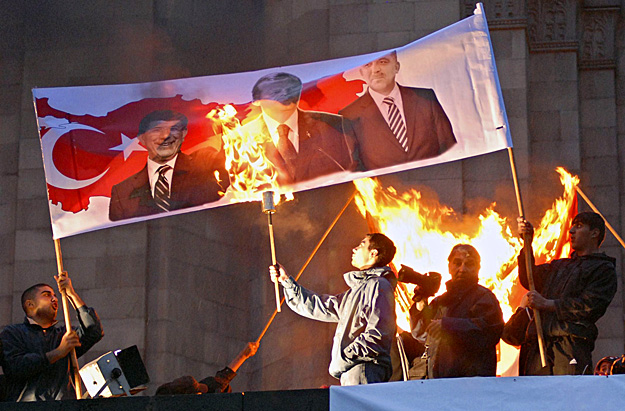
x,y
171,179
394,124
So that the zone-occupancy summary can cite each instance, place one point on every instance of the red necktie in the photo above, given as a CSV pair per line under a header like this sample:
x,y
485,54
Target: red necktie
x,y
286,148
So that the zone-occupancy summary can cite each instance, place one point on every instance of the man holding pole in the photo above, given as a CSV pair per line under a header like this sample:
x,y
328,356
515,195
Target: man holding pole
x,y
365,313
36,351
571,295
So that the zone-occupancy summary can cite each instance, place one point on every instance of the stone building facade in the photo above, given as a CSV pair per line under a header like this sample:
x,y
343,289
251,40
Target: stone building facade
x,y
191,290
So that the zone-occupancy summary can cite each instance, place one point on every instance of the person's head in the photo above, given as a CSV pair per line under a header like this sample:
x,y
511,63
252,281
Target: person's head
x,y
464,263
277,94
380,74
375,250
162,133
39,301
587,232
618,366
604,366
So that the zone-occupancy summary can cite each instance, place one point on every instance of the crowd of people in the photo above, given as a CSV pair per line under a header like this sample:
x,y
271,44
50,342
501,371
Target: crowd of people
x,y
454,334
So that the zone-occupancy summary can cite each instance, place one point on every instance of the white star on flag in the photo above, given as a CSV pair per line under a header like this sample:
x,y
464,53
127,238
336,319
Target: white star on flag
x,y
128,145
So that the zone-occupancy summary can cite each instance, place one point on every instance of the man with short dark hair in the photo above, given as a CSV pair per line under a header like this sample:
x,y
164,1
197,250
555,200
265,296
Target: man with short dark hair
x,y
394,124
461,328
571,295
301,144
36,351
365,313
171,179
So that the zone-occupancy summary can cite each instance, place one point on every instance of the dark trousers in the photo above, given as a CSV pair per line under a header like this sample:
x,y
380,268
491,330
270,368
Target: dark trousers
x,y
366,373
565,356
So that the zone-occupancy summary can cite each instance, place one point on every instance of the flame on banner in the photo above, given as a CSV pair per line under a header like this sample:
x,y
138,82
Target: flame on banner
x,y
249,169
423,242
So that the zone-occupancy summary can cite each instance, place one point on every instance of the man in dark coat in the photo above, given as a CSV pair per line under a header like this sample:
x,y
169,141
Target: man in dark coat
x,y
393,124
301,144
460,328
571,294
171,180
36,360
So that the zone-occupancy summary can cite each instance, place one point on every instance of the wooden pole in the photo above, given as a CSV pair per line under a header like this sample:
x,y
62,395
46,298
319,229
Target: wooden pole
x,y
269,208
273,259
612,230
528,261
301,271
68,324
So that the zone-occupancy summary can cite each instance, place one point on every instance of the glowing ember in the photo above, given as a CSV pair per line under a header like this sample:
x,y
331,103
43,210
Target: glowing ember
x,y
417,228
249,169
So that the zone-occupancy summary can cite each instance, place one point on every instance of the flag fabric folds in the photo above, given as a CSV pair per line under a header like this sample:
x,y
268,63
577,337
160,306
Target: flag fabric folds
x,y
102,145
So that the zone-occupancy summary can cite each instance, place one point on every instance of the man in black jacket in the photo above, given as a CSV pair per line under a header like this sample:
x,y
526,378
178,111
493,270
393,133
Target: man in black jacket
x,y
571,295
461,328
36,361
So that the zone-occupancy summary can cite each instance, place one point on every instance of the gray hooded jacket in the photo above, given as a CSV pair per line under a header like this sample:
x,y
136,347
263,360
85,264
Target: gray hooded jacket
x,y
365,314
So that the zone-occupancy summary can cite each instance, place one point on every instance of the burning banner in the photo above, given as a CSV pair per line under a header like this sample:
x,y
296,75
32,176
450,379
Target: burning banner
x,y
419,229
124,153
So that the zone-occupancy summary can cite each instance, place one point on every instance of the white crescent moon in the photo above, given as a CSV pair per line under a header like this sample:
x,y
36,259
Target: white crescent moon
x,y
53,176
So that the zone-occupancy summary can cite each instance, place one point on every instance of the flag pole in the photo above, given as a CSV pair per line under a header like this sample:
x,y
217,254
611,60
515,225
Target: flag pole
x,y
68,325
594,208
269,208
310,257
528,261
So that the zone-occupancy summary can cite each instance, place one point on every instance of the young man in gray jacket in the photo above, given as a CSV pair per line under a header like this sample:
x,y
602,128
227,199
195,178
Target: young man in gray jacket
x,y
365,313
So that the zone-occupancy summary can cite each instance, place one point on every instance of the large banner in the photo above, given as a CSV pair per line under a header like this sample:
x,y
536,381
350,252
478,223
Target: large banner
x,y
123,153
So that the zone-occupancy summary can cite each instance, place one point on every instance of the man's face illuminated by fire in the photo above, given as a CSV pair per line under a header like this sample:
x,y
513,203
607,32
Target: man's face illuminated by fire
x,y
44,304
582,237
463,266
362,256
163,139
380,74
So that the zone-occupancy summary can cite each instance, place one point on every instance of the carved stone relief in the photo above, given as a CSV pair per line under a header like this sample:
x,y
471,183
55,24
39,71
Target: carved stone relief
x,y
501,14
597,38
552,25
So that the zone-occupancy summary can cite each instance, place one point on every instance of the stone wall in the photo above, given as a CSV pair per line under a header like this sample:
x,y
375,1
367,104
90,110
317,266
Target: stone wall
x,y
191,290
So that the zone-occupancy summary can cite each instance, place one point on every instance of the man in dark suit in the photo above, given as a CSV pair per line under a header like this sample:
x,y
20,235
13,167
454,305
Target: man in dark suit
x,y
171,180
394,124
302,145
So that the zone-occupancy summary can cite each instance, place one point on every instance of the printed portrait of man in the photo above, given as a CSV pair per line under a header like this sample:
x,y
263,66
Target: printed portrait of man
x,y
394,124
301,144
171,179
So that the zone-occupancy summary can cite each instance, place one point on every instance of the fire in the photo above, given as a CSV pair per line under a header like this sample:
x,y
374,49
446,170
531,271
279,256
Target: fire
x,y
421,231
249,169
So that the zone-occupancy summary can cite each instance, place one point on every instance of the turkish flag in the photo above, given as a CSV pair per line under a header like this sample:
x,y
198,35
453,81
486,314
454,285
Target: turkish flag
x,y
85,155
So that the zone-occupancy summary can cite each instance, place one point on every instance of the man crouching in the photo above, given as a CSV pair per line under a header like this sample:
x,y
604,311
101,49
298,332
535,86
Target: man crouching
x,y
365,313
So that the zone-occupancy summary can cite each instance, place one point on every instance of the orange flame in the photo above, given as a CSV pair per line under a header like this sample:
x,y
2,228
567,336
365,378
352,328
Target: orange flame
x,y
249,169
423,242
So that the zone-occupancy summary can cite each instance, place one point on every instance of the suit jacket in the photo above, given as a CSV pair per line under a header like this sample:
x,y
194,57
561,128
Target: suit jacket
x,y
193,183
428,129
323,147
